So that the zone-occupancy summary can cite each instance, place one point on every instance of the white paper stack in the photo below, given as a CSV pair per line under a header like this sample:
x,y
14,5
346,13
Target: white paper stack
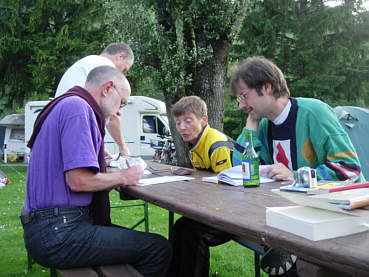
x,y
313,223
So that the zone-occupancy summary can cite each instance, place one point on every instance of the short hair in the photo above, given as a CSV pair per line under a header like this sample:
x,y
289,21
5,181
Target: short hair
x,y
101,74
258,71
193,104
119,47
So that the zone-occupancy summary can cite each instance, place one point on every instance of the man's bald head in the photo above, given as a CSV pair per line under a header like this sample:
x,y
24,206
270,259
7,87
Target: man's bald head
x,y
109,87
102,74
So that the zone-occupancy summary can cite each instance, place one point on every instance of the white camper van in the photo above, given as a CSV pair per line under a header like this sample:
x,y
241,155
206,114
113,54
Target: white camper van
x,y
143,119
31,111
13,137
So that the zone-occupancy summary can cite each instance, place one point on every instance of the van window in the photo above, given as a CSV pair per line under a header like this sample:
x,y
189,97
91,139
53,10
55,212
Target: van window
x,y
149,124
17,134
153,124
161,127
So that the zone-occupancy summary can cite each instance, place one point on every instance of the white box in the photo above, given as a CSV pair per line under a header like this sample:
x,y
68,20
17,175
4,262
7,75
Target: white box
x,y
313,223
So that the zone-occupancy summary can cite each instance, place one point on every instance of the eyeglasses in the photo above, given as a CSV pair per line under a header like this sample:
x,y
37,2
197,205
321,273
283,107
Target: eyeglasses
x,y
122,104
242,97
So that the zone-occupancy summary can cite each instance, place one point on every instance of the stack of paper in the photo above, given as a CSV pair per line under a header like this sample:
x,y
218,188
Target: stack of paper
x,y
316,218
325,186
347,199
337,186
314,224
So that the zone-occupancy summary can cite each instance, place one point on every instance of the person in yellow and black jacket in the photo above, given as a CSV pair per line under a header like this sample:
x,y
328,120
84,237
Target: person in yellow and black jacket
x,y
209,150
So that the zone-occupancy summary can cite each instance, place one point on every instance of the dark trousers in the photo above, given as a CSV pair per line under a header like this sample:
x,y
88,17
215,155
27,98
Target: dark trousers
x,y
191,241
66,238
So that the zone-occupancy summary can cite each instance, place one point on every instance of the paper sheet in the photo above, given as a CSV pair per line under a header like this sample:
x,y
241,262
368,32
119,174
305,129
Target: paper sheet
x,y
162,179
147,172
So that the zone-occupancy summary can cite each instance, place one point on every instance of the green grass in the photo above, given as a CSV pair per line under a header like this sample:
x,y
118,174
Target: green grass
x,y
229,260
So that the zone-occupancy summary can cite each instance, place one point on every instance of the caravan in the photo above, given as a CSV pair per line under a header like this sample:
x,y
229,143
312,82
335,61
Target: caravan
x,y
31,111
12,135
143,120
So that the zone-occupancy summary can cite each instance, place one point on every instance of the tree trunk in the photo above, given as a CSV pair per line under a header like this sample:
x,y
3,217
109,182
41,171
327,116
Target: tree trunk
x,y
208,72
210,82
181,147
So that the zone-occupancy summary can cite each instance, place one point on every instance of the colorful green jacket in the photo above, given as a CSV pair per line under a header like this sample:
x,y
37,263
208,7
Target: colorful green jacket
x,y
310,136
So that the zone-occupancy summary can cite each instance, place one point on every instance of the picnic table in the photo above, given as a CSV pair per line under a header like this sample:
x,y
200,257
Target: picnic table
x,y
241,212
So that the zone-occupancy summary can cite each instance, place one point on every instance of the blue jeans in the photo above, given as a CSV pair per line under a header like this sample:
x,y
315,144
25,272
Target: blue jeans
x,y
66,238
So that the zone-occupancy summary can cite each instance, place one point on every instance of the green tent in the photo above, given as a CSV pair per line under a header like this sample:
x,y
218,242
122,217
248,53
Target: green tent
x,y
355,121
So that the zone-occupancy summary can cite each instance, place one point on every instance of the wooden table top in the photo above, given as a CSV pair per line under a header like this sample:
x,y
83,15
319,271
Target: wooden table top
x,y
241,212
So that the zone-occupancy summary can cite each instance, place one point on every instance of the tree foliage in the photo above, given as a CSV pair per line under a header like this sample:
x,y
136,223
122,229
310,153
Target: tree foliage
x,y
183,46
40,39
322,50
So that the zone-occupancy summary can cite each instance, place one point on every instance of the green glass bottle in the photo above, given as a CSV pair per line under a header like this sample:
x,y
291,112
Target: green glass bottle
x,y
250,164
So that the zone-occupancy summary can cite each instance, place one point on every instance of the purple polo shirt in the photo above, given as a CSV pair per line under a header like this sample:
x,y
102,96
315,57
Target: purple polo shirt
x,y
69,138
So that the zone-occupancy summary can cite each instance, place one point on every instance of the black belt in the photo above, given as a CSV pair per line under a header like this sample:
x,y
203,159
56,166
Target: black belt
x,y
27,217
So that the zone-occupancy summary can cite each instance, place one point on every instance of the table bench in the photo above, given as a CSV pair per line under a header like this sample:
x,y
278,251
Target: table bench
x,y
120,270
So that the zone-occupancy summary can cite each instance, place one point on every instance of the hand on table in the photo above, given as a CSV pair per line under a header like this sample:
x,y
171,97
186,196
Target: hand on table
x,y
278,172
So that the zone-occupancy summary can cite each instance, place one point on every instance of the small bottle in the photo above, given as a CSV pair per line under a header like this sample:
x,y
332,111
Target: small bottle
x,y
250,164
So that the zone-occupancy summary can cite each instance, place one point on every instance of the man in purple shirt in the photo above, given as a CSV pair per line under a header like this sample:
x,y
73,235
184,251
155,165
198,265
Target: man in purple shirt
x,y
66,168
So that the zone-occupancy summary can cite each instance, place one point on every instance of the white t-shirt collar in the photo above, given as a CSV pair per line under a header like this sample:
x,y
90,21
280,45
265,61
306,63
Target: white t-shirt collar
x,y
284,114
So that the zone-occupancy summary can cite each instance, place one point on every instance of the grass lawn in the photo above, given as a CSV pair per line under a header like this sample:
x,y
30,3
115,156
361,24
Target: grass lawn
x,y
228,260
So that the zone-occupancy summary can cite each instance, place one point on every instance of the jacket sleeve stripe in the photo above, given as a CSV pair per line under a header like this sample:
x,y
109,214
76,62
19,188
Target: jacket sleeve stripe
x,y
340,173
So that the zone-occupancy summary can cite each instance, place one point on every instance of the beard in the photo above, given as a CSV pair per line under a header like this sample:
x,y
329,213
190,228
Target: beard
x,y
108,111
256,116
253,114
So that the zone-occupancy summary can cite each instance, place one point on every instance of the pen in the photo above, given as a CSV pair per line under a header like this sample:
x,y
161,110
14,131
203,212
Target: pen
x,y
128,166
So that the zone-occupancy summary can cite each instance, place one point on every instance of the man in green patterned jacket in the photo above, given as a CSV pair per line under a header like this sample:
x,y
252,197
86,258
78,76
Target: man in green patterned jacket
x,y
289,133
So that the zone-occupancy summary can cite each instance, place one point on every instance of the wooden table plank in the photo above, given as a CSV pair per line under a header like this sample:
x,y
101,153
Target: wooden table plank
x,y
242,212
